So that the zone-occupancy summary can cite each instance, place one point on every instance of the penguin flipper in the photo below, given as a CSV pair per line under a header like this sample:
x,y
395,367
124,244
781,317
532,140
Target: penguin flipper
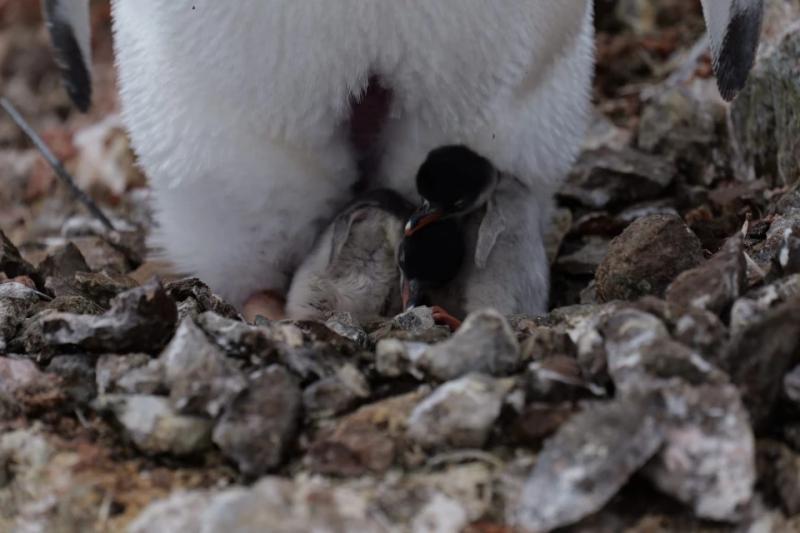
x,y
492,226
70,32
734,28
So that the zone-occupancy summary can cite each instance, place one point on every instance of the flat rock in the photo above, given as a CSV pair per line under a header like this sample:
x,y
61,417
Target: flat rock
x,y
458,414
139,320
647,257
708,459
259,426
606,178
129,374
484,343
369,440
337,394
759,356
587,462
12,264
200,378
748,309
154,427
24,388
715,284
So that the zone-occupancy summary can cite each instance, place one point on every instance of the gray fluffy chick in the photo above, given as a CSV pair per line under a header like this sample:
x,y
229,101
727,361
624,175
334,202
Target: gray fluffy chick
x,y
353,266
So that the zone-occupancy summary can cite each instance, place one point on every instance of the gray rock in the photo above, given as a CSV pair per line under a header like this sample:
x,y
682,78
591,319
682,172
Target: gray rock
x,y
700,330
748,309
129,374
16,301
257,428
459,414
345,325
557,379
77,373
766,115
194,297
708,460
715,284
484,343
140,320
586,259
758,357
12,264
336,394
646,257
236,338
24,388
102,255
779,475
101,287
604,178
200,378
642,356
154,427
587,462
273,504
63,262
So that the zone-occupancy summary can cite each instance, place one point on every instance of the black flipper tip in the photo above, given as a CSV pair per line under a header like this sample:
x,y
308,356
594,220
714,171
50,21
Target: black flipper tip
x,y
738,51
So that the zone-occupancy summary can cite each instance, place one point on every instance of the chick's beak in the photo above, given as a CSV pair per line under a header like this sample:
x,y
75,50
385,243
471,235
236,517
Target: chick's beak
x,y
424,216
412,294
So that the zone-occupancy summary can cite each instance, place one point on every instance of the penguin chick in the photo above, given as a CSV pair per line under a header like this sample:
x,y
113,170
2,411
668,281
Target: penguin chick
x,y
353,265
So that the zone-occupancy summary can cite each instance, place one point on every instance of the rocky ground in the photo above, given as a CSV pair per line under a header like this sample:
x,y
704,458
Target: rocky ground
x,y
661,393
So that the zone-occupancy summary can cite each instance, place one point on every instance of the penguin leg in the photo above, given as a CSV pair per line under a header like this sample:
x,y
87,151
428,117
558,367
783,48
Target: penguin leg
x,y
245,218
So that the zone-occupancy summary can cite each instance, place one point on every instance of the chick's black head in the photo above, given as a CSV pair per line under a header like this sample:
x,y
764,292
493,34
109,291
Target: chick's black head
x,y
433,255
454,178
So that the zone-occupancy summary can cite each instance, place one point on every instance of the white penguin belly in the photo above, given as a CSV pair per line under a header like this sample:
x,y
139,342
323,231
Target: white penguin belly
x,y
237,109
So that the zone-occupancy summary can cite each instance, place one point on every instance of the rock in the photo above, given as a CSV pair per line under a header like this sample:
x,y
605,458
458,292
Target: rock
x,y
154,427
587,462
642,356
12,264
130,374
415,325
16,301
344,325
557,379
200,378
77,377
63,262
23,387
366,441
699,330
485,343
273,504
257,428
459,414
194,297
101,287
779,475
760,355
715,284
585,259
608,179
683,124
766,114
645,259
334,395
140,320
236,338
102,255
708,460
791,387
538,421
748,309
555,232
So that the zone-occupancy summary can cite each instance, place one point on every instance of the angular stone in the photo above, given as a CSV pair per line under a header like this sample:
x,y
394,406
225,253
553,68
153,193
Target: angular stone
x,y
236,338
715,284
587,462
708,461
766,115
154,427
16,301
193,295
760,355
647,257
484,343
459,414
23,387
140,320
336,394
114,374
749,308
63,262
779,475
77,373
366,441
257,428
12,264
200,378
605,178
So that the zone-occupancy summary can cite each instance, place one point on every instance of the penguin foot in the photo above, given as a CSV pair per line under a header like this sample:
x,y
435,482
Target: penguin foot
x,y
268,304
442,317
